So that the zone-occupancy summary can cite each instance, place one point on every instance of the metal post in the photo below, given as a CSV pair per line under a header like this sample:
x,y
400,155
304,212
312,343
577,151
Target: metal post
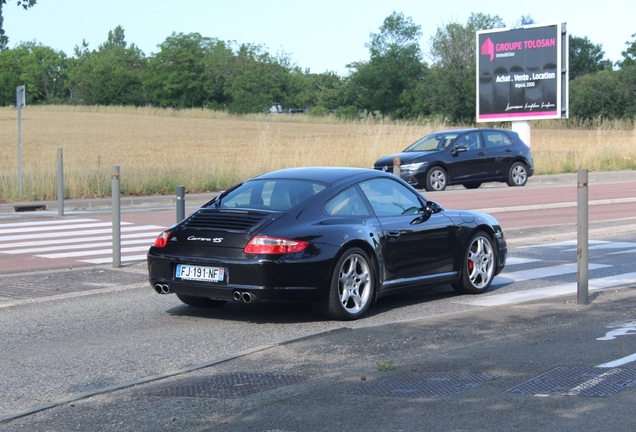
x,y
582,236
116,218
60,182
19,107
396,166
180,203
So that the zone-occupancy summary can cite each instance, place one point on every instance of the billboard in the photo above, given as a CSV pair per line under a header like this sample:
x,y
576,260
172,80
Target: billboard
x,y
522,73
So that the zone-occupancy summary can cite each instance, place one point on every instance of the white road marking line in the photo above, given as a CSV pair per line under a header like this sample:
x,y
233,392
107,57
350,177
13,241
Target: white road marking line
x,y
48,222
81,233
591,383
619,362
623,252
611,245
542,272
563,243
151,235
551,291
59,227
108,260
93,252
620,330
147,241
515,261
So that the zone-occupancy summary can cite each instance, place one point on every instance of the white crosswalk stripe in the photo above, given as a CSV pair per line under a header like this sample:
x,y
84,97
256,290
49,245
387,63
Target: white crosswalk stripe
x,y
539,271
88,240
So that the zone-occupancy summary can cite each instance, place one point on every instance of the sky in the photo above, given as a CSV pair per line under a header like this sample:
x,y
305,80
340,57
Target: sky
x,y
322,35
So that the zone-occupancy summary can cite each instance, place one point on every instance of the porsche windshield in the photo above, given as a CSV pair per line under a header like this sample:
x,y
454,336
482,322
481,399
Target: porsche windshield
x,y
435,142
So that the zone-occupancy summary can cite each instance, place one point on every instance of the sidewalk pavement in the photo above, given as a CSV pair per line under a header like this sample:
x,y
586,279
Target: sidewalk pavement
x,y
196,200
540,366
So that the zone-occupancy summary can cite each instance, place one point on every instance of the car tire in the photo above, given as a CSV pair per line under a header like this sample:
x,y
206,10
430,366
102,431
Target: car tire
x,y
352,287
436,179
518,174
474,185
479,265
203,302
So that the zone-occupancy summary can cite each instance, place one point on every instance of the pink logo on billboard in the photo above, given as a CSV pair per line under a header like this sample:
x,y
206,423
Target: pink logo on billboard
x,y
488,48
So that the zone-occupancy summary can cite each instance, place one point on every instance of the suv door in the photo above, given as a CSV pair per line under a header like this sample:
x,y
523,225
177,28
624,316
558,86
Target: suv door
x,y
468,165
499,153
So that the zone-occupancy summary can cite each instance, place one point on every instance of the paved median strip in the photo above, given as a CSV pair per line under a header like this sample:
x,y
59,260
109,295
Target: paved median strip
x,y
555,205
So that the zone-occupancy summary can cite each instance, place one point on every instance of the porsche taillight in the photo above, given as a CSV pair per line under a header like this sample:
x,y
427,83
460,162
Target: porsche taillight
x,y
273,245
162,240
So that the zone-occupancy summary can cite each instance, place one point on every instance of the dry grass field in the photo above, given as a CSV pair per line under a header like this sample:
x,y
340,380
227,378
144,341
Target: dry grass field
x,y
158,149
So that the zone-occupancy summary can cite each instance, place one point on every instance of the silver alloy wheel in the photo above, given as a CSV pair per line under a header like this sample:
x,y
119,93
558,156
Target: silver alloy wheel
x,y
437,179
519,175
354,283
481,262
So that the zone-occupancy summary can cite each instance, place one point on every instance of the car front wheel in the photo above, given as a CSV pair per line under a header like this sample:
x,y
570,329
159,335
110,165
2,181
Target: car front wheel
x,y
518,174
436,179
478,269
352,287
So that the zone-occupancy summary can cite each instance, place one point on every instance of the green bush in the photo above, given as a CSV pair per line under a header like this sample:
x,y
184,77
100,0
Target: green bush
x,y
347,113
318,111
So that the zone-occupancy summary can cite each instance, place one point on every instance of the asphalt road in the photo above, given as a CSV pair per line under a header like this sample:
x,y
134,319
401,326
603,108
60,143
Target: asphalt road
x,y
107,353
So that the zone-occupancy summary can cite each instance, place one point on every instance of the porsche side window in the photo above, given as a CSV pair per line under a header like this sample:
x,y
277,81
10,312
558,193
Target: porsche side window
x,y
390,198
347,203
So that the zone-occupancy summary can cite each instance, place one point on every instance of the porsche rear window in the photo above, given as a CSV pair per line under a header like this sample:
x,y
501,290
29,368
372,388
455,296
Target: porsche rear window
x,y
276,195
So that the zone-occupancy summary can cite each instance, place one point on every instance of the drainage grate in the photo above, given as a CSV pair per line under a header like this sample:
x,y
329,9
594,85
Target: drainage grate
x,y
49,284
425,385
579,381
232,386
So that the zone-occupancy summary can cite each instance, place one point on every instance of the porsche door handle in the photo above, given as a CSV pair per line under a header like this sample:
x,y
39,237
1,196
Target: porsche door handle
x,y
393,235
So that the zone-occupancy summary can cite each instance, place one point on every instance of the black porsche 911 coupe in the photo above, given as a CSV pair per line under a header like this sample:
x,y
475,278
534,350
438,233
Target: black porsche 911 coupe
x,y
337,238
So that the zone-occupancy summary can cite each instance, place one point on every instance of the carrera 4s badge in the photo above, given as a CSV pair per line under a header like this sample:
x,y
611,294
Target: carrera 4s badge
x,y
206,239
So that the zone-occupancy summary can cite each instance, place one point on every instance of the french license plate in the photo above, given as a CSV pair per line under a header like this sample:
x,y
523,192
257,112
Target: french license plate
x,y
200,273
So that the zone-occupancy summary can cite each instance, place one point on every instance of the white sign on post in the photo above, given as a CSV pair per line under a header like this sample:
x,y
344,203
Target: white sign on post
x,y
20,101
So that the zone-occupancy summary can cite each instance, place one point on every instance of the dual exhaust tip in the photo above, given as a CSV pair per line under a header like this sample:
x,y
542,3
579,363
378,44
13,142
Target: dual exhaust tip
x,y
244,296
162,288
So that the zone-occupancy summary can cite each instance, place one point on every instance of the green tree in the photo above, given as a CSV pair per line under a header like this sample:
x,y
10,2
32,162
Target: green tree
x,y
595,96
42,69
4,40
110,75
585,57
256,81
452,81
188,71
629,55
395,66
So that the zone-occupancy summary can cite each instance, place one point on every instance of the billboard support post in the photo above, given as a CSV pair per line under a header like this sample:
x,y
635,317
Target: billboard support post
x,y
522,127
